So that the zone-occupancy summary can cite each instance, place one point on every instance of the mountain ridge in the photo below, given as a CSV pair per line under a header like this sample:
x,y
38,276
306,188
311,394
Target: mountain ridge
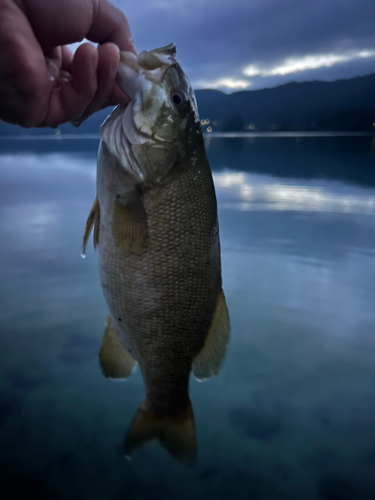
x,y
341,105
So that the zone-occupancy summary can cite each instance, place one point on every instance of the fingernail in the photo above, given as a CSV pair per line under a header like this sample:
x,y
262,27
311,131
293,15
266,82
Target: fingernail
x,y
63,81
109,43
52,68
117,49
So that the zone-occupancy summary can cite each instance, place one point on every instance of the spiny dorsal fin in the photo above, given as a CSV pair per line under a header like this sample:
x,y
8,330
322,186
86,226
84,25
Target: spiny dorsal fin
x,y
92,219
209,360
115,360
129,224
176,435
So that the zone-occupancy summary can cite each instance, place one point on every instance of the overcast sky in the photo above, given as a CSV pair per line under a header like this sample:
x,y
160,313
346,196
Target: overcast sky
x,y
237,44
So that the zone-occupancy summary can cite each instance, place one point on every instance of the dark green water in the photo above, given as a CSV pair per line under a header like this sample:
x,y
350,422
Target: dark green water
x,y
292,413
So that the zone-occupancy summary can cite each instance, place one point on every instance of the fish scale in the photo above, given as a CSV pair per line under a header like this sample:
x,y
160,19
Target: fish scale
x,y
174,267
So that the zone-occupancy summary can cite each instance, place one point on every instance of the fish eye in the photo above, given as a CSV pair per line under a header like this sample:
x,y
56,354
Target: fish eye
x,y
180,100
177,98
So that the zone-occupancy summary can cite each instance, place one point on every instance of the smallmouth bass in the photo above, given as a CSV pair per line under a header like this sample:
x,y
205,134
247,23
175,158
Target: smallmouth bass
x,y
157,238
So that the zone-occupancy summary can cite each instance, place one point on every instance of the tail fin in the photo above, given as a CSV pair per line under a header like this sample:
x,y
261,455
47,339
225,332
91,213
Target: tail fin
x,y
176,435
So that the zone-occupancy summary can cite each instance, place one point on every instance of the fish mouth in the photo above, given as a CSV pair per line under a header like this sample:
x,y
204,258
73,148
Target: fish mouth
x,y
148,65
137,75
128,74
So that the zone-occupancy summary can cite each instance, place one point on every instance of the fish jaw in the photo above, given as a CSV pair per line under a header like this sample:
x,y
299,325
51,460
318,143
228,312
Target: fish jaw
x,y
149,136
148,82
149,65
144,75
129,75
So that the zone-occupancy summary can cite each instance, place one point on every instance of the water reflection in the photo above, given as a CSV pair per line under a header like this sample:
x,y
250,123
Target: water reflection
x,y
292,412
255,192
344,159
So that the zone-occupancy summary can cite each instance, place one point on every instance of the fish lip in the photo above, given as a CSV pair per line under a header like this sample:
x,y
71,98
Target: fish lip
x,y
148,65
128,74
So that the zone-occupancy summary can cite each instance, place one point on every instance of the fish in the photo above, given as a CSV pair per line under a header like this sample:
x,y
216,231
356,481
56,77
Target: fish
x,y
155,230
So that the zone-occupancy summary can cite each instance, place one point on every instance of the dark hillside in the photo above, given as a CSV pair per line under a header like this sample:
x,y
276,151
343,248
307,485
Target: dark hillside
x,y
340,105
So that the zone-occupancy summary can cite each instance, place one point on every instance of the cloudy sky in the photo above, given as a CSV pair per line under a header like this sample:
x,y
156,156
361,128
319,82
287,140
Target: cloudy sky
x,y
238,44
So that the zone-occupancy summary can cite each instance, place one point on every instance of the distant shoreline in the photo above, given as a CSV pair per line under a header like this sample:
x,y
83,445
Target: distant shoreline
x,y
289,134
224,135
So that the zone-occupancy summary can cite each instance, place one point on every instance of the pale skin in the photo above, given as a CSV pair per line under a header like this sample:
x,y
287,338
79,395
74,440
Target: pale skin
x,y
42,83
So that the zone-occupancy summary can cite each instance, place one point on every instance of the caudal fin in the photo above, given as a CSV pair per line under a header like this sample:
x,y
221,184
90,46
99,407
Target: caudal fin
x,y
176,435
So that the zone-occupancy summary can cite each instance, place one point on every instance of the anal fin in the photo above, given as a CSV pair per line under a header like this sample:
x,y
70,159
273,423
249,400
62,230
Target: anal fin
x,y
115,360
210,359
129,224
92,220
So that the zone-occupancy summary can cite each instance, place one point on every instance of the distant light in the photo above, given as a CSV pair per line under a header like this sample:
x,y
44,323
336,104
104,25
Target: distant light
x,y
209,129
207,121
58,131
373,124
251,126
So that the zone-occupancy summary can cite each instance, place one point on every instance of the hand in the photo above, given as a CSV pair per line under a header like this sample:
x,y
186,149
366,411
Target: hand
x,y
42,84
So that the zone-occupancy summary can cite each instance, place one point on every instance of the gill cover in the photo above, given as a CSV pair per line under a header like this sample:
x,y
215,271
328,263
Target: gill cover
x,y
148,136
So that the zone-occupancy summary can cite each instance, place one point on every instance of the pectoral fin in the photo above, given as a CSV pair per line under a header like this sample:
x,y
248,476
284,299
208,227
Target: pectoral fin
x,y
115,360
129,224
92,220
211,357
176,435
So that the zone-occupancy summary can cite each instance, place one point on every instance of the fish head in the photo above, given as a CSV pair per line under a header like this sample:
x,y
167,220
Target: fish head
x,y
151,134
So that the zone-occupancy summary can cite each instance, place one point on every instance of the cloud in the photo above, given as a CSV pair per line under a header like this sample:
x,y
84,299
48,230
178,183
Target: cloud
x,y
296,64
224,83
217,39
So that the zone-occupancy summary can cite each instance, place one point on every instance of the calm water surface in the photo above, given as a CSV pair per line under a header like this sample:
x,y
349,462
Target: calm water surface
x,y
292,413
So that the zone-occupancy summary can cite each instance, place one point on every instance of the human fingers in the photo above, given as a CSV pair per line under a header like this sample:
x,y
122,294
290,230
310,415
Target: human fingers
x,y
66,21
109,24
25,82
108,59
50,86
70,100
66,64
66,58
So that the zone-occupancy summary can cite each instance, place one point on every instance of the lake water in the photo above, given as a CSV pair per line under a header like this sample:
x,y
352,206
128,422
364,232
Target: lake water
x,y
291,414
